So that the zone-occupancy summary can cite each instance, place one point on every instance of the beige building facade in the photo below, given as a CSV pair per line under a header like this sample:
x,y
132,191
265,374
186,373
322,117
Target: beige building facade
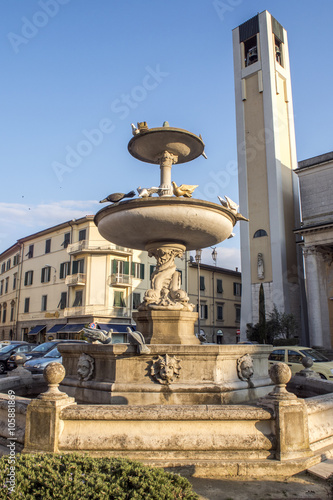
x,y
316,188
56,281
220,301
268,188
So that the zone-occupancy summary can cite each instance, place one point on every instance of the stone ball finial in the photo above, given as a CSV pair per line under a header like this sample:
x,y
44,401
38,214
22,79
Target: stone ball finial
x,y
280,373
54,373
307,362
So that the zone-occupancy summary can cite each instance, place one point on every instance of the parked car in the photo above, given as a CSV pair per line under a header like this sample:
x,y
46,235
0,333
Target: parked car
x,y
4,343
293,355
41,350
13,348
37,365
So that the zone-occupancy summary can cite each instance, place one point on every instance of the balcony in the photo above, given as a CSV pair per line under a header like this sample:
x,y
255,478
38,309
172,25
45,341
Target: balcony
x,y
120,280
111,312
75,279
86,246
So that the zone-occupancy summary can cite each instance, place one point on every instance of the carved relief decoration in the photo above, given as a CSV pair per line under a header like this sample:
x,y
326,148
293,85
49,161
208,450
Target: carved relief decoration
x,y
245,367
85,367
165,369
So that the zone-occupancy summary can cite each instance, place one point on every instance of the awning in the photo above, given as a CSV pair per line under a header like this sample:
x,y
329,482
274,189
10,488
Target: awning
x,y
36,329
56,328
116,327
72,328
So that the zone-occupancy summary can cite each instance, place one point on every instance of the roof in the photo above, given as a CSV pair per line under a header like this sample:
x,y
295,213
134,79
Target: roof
x,y
217,269
315,160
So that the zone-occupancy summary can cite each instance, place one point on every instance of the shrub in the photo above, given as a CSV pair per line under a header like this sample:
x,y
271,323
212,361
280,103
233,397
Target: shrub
x,y
74,476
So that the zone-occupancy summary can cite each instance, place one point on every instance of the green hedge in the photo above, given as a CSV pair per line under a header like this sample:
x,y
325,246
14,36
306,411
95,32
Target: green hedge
x,y
74,477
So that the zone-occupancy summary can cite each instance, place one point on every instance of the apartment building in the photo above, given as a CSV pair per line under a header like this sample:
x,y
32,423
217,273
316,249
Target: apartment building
x,y
220,301
9,290
58,280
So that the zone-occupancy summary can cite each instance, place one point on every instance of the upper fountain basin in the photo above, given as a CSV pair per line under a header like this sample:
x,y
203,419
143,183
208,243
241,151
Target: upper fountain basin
x,y
148,146
141,222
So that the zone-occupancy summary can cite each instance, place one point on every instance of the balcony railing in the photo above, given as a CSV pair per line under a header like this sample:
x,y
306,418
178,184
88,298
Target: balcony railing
x,y
86,246
112,312
120,279
75,279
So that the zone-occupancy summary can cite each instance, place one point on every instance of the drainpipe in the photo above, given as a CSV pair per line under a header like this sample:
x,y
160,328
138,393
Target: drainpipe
x,y
18,288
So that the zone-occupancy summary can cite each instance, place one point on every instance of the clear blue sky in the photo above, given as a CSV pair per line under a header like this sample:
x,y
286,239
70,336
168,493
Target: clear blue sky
x,y
72,66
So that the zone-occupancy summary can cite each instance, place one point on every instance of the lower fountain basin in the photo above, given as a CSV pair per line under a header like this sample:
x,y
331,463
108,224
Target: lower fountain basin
x,y
140,222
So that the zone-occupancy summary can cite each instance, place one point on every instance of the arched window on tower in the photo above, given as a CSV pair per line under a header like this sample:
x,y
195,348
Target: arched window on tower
x,y
260,233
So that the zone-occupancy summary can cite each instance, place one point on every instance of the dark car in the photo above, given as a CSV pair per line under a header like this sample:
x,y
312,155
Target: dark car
x,y
37,365
41,350
13,348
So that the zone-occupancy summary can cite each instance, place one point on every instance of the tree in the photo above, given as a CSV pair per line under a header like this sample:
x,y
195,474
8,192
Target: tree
x,y
278,326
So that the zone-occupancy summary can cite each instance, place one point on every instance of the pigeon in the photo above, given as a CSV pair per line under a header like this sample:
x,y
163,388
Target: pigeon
x,y
136,338
203,153
115,197
183,190
233,207
135,131
145,192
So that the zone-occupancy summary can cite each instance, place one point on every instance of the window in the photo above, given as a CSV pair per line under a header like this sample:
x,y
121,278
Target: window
x,y
82,234
278,51
294,357
203,311
12,310
6,285
238,313
119,299
120,267
251,51
136,300
3,267
219,287
151,270
28,278
219,312
26,304
238,289
46,274
8,265
202,283
260,233
180,277
14,281
16,259
44,302
30,253
67,240
64,269
63,300
4,313
1,287
138,270
48,246
277,355
78,266
78,299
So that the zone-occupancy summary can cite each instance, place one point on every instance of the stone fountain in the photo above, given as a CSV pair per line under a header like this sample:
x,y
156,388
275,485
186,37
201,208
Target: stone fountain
x,y
176,368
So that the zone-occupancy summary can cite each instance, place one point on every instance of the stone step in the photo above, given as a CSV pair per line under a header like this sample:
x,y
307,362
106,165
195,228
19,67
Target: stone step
x,y
323,470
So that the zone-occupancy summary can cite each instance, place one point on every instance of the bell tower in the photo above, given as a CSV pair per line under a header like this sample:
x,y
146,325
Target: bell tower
x,y
268,189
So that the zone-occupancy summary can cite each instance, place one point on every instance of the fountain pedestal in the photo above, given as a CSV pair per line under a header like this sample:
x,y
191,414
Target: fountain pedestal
x,y
167,327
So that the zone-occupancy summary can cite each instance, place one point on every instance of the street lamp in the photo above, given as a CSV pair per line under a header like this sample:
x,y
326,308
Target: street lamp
x,y
198,260
214,254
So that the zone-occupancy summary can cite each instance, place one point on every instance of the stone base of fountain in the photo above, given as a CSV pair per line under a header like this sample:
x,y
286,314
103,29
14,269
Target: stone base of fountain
x,y
167,326
169,374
